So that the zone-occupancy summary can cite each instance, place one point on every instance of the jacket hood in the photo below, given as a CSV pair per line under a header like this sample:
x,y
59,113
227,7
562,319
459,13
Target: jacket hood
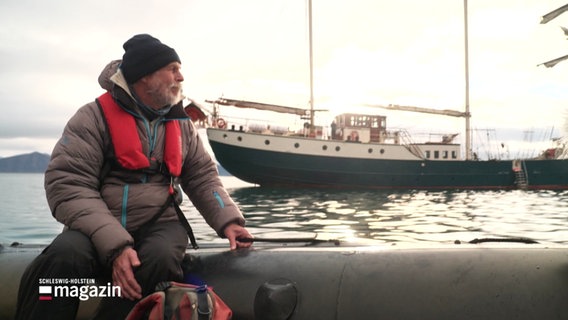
x,y
109,70
112,76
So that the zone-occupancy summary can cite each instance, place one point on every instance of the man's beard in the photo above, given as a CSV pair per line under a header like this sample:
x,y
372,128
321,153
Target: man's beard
x,y
163,95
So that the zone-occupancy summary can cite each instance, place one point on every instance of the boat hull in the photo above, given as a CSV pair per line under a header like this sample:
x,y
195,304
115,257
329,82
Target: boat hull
x,y
337,282
294,161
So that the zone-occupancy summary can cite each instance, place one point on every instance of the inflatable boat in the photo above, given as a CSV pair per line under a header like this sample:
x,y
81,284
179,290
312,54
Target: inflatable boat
x,y
335,280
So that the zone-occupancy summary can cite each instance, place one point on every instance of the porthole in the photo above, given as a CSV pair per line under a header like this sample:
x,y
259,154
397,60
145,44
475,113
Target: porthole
x,y
296,145
324,148
266,142
337,148
370,150
225,136
382,151
240,138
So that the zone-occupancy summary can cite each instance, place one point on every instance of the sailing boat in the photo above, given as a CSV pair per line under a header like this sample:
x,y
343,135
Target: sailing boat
x,y
361,153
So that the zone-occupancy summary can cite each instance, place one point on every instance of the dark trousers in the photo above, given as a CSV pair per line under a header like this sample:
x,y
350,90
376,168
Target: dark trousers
x,y
72,255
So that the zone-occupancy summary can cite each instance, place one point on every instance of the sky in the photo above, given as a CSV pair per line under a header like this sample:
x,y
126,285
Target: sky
x,y
407,52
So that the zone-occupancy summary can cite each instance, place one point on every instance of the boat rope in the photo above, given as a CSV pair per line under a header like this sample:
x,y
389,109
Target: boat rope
x,y
289,240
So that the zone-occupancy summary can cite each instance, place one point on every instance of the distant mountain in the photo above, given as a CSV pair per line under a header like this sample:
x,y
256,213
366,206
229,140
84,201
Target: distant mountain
x,y
34,162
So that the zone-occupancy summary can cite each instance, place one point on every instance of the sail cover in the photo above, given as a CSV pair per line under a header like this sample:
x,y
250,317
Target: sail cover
x,y
261,106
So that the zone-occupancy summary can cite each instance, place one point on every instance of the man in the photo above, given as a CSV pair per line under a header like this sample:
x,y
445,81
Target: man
x,y
112,180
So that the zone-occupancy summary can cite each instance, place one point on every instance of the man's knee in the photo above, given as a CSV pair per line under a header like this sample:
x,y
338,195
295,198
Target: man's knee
x,y
166,241
71,241
71,253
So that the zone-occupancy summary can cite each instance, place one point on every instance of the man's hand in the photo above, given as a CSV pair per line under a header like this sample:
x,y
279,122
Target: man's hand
x,y
234,232
123,275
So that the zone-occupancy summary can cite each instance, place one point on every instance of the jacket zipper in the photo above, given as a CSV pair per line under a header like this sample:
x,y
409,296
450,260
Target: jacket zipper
x,y
219,199
124,206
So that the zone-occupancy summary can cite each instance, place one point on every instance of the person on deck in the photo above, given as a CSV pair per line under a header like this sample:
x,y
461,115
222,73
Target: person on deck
x,y
112,181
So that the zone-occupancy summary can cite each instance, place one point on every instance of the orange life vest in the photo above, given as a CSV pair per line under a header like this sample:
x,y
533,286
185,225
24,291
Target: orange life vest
x,y
126,141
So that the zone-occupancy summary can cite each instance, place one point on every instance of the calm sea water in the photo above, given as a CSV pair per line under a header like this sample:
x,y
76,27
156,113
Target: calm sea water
x,y
380,217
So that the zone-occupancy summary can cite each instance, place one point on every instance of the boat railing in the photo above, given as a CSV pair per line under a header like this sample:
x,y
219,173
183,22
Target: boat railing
x,y
406,140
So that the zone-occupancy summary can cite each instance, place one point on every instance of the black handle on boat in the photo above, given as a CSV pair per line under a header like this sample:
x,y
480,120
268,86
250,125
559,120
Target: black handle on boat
x,y
520,240
288,240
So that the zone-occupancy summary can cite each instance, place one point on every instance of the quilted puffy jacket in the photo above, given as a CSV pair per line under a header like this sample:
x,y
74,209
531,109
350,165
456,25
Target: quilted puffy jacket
x,y
87,192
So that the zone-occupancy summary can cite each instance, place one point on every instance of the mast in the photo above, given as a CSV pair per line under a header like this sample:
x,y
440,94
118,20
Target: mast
x,y
467,124
312,128
466,114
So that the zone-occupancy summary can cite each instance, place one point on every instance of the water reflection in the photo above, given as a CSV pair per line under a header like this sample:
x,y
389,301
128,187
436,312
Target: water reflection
x,y
376,216
412,216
